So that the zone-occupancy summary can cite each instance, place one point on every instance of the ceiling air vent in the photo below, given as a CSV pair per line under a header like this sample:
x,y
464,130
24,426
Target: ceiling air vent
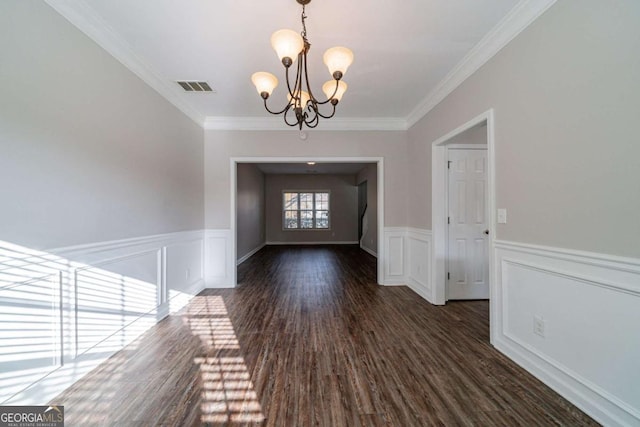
x,y
196,86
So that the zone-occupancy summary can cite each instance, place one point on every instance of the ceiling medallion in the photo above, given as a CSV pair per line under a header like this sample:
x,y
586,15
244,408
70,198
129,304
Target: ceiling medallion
x,y
303,108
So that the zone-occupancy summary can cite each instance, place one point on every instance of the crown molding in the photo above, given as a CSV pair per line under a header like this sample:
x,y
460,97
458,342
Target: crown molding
x,y
276,123
89,22
519,18
81,15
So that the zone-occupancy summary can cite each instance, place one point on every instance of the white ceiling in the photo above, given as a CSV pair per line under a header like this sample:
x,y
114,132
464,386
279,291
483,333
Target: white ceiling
x,y
405,52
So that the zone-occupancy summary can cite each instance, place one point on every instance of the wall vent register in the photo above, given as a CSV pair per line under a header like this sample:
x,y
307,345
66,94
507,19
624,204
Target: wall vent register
x,y
195,86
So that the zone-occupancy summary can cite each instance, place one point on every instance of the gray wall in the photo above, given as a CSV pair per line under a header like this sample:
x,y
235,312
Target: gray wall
x,y
477,135
88,151
370,174
565,94
221,146
250,211
343,206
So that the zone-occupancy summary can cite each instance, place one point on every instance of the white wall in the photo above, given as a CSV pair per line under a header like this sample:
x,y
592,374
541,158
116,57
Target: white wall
x,y
89,152
343,208
96,164
250,210
564,95
370,174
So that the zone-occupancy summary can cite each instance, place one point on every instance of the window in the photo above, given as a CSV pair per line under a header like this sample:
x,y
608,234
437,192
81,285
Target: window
x,y
305,210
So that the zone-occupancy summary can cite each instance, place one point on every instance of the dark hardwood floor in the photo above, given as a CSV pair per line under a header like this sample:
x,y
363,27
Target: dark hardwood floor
x,y
307,338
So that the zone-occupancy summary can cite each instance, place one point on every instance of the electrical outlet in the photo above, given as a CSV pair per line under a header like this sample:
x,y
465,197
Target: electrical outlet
x,y
538,325
187,274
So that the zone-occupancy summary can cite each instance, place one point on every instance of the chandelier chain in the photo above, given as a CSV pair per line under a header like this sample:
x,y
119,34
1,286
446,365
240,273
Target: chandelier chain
x,y
304,29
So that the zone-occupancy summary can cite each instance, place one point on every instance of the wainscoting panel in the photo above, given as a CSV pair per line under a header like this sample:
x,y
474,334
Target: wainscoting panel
x,y
573,319
408,259
184,271
419,261
394,243
112,295
220,259
64,311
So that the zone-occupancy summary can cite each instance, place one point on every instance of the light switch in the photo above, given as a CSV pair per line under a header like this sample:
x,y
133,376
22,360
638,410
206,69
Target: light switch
x,y
502,216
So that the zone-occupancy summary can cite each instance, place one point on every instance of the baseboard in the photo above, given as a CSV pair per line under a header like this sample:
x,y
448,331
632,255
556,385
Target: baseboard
x,y
250,254
602,410
419,289
341,242
369,251
178,301
588,303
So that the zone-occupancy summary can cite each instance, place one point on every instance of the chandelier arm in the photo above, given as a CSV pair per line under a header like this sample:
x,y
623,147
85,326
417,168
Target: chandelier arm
x,y
314,121
306,77
298,89
331,97
329,116
291,92
298,122
286,77
276,112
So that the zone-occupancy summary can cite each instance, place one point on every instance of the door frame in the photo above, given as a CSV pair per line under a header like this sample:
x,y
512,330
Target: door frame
x,y
379,161
439,211
360,222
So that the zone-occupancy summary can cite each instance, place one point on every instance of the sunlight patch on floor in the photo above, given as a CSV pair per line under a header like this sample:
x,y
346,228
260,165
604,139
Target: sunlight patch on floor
x,y
227,394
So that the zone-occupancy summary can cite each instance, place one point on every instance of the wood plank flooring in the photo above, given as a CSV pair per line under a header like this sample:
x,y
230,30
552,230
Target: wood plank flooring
x,y
307,338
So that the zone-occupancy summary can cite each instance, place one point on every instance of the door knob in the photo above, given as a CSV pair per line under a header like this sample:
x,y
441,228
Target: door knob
x,y
486,232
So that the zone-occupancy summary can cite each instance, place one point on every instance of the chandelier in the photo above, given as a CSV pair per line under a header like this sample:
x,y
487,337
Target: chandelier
x,y
303,108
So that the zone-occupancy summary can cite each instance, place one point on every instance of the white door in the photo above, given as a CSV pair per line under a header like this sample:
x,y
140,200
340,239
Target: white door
x,y
468,239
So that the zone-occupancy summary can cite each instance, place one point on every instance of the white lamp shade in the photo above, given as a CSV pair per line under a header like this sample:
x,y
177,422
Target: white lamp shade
x,y
264,82
330,86
287,44
304,97
338,59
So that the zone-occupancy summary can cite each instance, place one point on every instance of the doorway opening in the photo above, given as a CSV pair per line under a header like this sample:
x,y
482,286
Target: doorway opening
x,y
466,197
313,219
